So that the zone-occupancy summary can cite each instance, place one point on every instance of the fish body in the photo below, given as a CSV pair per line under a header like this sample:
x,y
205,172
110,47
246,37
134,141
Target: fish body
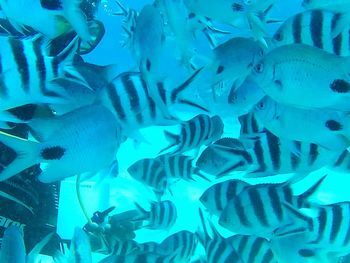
x,y
81,250
69,144
12,248
52,18
305,76
315,28
326,128
200,130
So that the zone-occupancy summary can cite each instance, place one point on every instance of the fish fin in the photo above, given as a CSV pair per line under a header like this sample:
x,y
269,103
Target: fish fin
x,y
54,172
64,53
33,254
173,139
193,104
77,19
312,190
343,24
27,154
141,210
201,175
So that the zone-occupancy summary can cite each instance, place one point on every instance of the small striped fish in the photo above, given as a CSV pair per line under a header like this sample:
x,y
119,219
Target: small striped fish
x,y
27,70
315,28
162,215
217,248
198,131
216,197
128,97
179,166
259,209
150,172
125,247
253,249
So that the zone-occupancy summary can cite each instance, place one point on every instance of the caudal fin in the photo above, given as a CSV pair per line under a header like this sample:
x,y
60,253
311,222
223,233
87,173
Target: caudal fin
x,y
27,153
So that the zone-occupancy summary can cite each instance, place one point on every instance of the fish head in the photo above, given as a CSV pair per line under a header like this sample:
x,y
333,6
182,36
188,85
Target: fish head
x,y
245,96
266,110
136,169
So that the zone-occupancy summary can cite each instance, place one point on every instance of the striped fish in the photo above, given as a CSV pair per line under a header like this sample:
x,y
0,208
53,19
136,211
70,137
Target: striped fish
x,y
81,247
179,166
128,97
150,172
125,247
223,156
162,215
315,28
259,209
184,242
217,248
216,197
198,131
27,70
143,257
253,249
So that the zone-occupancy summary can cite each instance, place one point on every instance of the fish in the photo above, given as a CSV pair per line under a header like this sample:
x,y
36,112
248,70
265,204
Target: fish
x,y
28,69
128,97
150,172
304,76
305,28
259,210
201,129
140,257
217,248
253,249
58,146
180,166
326,128
224,156
80,248
12,247
216,197
232,62
162,214
52,18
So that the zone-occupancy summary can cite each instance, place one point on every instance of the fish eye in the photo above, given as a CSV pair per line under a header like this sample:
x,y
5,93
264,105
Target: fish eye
x,y
278,36
261,52
261,105
259,67
248,2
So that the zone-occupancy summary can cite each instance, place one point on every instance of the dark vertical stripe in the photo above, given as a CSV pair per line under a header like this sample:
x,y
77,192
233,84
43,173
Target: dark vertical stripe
x,y
347,236
259,156
297,28
255,127
341,158
240,212
313,153
116,102
337,41
275,202
316,28
40,64
242,244
17,48
258,206
268,257
288,195
162,92
322,219
217,199
274,150
3,88
336,222
255,249
191,136
151,103
231,190
133,96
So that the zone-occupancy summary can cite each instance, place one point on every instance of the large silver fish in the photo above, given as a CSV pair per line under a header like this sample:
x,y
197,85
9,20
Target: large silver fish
x,y
69,144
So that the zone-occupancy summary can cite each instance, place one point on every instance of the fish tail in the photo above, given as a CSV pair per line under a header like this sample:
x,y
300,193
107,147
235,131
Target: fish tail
x,y
27,153
75,16
173,140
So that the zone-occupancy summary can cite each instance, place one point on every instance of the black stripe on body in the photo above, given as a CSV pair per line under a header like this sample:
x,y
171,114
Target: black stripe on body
x,y
3,88
242,244
274,150
162,92
275,202
322,219
316,27
116,102
337,41
239,209
40,64
258,206
258,150
268,257
133,96
313,153
151,103
255,249
294,158
341,158
17,48
297,28
337,214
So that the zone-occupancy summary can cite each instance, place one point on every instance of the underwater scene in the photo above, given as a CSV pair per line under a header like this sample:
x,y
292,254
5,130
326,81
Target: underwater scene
x,y
174,131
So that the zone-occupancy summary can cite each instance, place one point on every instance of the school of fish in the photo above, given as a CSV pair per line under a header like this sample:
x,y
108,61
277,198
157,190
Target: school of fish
x,y
201,67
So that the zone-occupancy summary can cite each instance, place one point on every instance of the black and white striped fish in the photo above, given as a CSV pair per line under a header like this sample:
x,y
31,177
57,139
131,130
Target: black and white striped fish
x,y
128,97
125,247
315,28
27,70
162,214
216,197
198,131
223,156
150,172
217,248
253,249
259,209
143,257
179,166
